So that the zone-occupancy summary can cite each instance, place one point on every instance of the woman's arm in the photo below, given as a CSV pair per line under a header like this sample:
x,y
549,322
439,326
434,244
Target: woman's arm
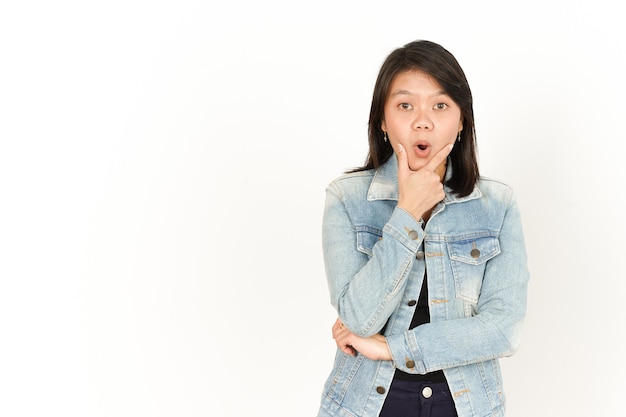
x,y
365,291
495,328
373,347
493,332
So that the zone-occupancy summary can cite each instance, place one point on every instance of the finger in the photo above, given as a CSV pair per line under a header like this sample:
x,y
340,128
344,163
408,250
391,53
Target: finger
x,y
349,350
439,158
403,163
337,332
337,323
338,328
344,344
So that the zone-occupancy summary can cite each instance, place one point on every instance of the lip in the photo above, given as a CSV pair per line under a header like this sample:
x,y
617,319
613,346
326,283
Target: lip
x,y
422,148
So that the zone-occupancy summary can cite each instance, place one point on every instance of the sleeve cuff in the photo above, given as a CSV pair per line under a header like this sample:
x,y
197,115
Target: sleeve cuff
x,y
405,354
403,227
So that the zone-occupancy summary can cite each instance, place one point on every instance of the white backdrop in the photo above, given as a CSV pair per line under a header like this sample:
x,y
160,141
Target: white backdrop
x,y
162,174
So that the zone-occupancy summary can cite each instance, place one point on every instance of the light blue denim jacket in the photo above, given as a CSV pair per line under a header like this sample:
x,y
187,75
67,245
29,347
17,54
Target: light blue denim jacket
x,y
376,255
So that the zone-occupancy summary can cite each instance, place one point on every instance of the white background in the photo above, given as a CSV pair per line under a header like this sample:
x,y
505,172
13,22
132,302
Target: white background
x,y
162,175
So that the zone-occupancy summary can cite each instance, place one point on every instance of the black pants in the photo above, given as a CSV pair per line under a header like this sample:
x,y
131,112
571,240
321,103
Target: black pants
x,y
418,399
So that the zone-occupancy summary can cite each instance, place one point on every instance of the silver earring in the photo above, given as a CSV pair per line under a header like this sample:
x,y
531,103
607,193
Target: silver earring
x,y
458,137
385,137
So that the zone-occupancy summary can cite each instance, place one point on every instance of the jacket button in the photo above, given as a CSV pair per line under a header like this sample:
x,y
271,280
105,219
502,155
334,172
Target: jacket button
x,y
380,390
427,392
413,234
410,364
420,255
475,253
411,303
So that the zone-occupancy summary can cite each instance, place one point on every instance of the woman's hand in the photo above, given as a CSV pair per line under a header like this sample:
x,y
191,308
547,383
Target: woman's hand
x,y
374,347
420,190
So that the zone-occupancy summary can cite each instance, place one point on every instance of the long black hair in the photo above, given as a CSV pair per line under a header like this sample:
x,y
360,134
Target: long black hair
x,y
443,67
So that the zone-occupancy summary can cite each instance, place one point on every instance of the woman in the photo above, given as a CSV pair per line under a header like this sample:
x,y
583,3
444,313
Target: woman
x,y
425,259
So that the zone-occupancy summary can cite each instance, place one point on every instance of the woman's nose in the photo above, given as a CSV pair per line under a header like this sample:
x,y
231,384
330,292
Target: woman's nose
x,y
422,121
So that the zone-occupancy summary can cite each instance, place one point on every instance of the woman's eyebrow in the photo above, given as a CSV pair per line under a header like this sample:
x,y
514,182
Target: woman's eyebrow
x,y
409,93
401,92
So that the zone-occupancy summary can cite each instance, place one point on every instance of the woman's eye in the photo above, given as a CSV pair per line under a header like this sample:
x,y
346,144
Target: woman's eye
x,y
441,106
405,106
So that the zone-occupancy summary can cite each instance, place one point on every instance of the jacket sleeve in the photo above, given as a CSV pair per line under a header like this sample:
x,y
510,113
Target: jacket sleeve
x,y
366,290
493,330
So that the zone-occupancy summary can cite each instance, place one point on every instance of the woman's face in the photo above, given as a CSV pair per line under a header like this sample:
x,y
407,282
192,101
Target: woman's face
x,y
420,116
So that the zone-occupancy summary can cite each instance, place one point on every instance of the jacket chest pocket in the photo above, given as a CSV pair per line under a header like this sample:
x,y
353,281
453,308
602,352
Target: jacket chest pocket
x,y
468,259
366,238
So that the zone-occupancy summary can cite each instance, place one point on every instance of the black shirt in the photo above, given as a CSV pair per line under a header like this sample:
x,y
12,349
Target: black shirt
x,y
421,316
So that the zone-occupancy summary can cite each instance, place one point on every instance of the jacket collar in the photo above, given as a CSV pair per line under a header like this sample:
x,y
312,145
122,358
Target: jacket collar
x,y
384,185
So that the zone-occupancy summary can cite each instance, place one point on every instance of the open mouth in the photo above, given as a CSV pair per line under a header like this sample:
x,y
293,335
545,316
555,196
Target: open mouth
x,y
422,148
